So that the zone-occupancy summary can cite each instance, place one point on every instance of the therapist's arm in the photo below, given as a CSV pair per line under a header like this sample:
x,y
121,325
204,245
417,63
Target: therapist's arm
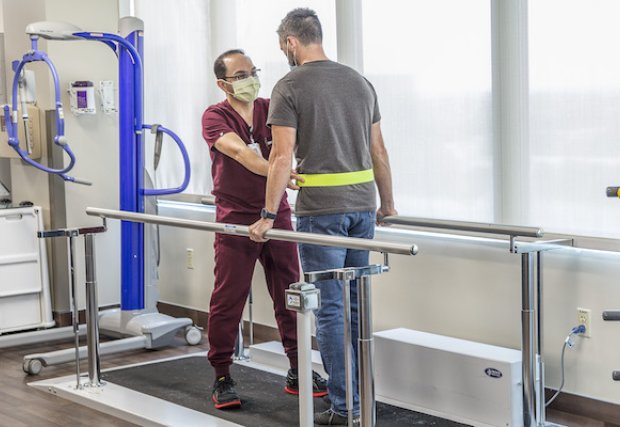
x,y
233,146
280,162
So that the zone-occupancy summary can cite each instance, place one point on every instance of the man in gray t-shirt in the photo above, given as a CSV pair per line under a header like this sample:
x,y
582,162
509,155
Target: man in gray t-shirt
x,y
328,116
333,132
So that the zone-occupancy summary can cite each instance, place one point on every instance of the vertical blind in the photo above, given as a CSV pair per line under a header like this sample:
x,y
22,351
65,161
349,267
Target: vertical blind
x,y
574,110
431,64
177,59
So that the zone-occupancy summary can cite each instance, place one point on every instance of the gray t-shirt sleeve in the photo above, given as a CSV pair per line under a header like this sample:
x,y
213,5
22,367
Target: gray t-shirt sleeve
x,y
376,114
282,108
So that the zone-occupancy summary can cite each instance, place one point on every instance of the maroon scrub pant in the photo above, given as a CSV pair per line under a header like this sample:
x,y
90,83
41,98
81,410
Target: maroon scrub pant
x,y
235,258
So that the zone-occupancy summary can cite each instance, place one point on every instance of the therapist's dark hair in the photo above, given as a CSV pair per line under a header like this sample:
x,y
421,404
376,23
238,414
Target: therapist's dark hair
x,y
219,68
303,24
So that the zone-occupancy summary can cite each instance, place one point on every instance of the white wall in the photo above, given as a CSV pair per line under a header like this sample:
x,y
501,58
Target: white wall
x,y
460,288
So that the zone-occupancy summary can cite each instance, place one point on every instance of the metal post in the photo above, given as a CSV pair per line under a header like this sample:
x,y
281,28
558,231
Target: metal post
x,y
527,338
365,347
75,316
348,358
92,313
540,390
303,298
239,349
304,369
251,331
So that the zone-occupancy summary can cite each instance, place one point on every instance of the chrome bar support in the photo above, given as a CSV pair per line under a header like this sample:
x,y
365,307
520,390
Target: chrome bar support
x,y
540,366
71,234
365,351
92,313
527,340
303,298
348,357
366,383
251,331
239,353
75,315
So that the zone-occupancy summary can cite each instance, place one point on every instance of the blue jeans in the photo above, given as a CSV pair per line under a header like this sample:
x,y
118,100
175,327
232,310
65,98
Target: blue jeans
x,y
330,315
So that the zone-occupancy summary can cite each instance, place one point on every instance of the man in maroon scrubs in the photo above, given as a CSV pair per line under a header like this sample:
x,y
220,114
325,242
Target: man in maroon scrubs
x,y
240,142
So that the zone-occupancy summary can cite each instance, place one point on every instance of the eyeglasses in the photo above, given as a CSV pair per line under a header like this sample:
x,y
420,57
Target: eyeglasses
x,y
242,76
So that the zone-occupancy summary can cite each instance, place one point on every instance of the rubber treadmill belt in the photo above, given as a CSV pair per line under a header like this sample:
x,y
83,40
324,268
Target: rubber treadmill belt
x,y
187,382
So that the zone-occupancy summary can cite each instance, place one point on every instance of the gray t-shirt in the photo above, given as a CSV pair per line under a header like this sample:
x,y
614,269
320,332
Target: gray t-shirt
x,y
333,108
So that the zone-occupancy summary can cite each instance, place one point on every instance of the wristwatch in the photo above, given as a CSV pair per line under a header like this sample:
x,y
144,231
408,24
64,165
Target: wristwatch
x,y
264,213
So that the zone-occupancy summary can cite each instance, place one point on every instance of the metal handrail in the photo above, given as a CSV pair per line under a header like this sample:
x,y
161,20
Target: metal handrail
x,y
240,230
473,227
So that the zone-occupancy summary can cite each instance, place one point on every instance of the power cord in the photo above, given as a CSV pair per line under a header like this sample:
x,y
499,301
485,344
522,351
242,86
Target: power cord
x,y
568,342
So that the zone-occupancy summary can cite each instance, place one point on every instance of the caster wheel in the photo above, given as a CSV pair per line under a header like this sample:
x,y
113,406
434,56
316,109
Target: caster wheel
x,y
32,366
193,335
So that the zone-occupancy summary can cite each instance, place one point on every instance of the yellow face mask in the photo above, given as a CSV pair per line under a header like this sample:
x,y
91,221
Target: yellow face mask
x,y
246,90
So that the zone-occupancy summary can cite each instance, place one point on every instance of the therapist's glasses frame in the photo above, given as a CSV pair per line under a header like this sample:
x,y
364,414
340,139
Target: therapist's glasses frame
x,y
254,73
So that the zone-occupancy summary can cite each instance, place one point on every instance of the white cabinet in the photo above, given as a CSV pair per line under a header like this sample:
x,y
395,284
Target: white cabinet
x,y
24,280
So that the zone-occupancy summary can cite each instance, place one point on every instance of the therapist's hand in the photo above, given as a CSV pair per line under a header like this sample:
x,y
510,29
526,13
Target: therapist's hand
x,y
259,228
295,179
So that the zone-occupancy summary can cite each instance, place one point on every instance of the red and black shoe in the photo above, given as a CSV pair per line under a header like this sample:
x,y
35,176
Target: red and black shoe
x,y
224,395
319,384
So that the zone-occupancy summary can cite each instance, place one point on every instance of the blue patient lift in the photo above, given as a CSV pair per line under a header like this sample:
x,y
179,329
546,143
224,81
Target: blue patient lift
x,y
137,319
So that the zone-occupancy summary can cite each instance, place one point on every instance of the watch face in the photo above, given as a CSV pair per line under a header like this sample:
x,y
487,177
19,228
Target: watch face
x,y
264,213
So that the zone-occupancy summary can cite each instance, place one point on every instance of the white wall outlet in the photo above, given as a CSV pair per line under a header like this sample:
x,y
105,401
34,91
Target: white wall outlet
x,y
583,318
189,258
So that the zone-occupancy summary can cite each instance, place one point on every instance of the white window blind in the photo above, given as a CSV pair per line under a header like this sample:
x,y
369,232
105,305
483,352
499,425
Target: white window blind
x,y
176,63
257,23
430,62
574,109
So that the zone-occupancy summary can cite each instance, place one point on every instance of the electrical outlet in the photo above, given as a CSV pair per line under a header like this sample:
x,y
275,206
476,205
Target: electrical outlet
x,y
189,258
583,318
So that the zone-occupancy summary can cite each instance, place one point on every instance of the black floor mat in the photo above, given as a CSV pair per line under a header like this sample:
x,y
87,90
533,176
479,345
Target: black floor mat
x,y
187,382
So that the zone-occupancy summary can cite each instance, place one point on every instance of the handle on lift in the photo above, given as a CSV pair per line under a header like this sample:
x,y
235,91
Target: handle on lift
x,y
158,130
10,116
613,191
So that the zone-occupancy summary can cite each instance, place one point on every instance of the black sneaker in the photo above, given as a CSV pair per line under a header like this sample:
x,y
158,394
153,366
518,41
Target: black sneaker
x,y
319,384
224,394
330,418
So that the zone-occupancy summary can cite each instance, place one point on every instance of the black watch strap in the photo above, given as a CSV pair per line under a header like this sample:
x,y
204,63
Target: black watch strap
x,y
264,213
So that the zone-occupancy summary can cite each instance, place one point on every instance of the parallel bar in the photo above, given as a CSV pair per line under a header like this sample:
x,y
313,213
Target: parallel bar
x,y
365,351
474,227
239,230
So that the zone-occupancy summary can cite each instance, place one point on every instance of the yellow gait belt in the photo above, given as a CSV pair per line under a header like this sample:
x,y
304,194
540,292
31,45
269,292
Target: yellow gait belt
x,y
336,179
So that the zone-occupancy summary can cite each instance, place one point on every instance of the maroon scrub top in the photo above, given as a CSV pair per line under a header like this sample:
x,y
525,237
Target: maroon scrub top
x,y
236,189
